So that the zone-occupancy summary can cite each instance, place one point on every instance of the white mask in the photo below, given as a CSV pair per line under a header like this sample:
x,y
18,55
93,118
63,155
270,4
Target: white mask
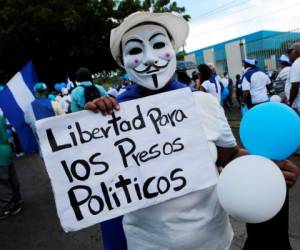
x,y
148,56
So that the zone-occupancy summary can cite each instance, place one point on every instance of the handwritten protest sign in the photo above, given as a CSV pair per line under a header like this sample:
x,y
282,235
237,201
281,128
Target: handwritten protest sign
x,y
100,167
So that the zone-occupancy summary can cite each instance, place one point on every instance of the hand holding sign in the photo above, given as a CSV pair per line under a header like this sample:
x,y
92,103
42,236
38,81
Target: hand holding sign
x,y
105,104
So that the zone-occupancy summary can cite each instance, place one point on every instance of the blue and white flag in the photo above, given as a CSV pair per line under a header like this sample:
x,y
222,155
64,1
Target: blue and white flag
x,y
16,96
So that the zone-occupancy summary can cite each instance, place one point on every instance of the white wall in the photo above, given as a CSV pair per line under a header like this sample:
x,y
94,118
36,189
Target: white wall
x,y
209,56
190,58
270,63
234,57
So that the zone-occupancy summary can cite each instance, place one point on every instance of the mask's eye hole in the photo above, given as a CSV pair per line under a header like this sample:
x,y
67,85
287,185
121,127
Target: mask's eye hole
x,y
158,45
135,51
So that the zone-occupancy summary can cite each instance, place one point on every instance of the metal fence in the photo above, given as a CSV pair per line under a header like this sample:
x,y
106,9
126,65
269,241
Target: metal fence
x,y
268,50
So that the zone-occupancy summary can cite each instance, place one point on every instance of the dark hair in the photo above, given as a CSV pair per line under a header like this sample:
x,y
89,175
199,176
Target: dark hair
x,y
247,65
284,63
205,72
183,77
238,76
83,74
195,75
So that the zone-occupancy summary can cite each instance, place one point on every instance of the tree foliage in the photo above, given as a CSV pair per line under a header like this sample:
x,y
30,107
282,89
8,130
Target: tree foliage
x,y
62,35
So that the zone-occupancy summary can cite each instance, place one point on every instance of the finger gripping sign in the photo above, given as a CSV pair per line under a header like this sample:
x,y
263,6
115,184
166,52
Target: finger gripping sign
x,y
152,150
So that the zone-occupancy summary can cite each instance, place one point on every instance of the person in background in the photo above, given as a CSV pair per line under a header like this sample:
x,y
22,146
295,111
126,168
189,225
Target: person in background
x,y
85,91
255,84
13,137
183,77
195,80
283,76
294,79
70,85
11,202
238,89
123,84
215,78
64,100
294,56
41,107
227,83
205,76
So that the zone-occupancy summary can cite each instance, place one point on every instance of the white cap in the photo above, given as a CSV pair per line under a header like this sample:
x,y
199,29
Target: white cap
x,y
177,26
284,58
250,61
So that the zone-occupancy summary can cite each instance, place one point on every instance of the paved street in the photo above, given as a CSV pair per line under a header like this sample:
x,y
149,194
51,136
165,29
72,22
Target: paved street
x,y
37,226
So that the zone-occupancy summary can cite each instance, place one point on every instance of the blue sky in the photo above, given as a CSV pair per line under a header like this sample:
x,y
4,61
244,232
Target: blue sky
x,y
215,21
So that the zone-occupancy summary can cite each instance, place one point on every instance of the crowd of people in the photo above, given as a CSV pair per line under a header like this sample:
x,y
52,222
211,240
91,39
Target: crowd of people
x,y
145,44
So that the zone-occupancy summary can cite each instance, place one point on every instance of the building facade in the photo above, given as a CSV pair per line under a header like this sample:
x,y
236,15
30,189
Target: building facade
x,y
265,46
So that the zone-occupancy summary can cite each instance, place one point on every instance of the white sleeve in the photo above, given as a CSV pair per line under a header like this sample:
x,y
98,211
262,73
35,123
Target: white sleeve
x,y
268,80
295,72
245,84
205,85
214,121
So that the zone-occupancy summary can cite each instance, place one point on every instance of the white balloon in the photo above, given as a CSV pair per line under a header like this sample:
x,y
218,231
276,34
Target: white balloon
x,y
275,98
252,189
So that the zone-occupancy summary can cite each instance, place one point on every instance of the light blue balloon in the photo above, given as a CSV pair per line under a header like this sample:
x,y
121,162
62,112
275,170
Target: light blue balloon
x,y
57,87
224,93
271,130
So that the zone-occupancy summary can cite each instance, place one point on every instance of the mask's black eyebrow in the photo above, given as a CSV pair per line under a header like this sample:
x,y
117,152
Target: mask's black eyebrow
x,y
134,40
155,35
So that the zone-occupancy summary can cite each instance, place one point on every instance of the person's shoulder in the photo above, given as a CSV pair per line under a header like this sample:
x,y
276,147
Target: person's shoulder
x,y
131,92
296,64
77,90
206,100
206,82
207,106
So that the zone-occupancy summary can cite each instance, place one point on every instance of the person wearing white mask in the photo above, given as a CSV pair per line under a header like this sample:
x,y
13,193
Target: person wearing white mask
x,y
145,44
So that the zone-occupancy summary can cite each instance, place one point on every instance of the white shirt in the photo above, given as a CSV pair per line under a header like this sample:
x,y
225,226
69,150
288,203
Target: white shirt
x,y
64,102
295,78
112,92
225,82
212,88
193,221
257,86
284,75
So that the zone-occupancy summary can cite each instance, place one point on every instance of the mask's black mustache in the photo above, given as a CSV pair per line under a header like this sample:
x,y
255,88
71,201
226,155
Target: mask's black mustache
x,y
152,65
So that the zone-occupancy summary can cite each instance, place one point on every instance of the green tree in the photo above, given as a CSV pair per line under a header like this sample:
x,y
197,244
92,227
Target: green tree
x,y
62,35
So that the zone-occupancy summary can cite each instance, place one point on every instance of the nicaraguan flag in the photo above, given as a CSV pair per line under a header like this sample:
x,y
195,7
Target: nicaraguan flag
x,y
16,96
